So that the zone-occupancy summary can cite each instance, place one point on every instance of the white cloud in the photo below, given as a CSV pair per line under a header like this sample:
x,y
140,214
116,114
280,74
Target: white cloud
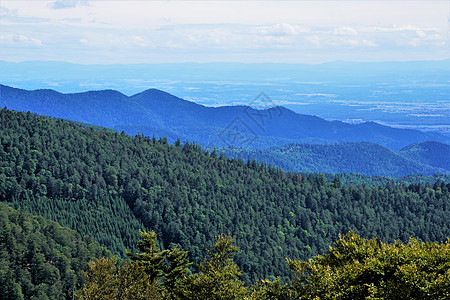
x,y
345,30
123,31
314,40
421,33
18,40
139,41
282,29
394,28
407,36
61,4
4,11
369,43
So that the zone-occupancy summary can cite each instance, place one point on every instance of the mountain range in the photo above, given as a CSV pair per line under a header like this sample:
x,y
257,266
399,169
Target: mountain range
x,y
365,158
160,114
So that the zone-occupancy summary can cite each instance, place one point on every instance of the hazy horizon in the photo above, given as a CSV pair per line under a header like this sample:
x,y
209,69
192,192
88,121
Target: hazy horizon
x,y
382,61
129,32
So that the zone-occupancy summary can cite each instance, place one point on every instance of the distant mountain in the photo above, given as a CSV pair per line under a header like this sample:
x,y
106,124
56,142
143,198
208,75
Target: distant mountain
x,y
362,158
154,112
75,77
431,153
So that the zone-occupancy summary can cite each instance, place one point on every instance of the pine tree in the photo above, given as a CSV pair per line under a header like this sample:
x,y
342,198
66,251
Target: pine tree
x,y
219,275
151,258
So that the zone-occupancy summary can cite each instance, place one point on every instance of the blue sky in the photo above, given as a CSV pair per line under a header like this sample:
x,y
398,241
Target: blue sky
x,y
107,32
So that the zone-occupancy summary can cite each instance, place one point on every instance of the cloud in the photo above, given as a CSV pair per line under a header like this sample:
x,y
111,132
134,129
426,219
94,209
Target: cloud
x,y
139,41
4,11
396,28
282,30
345,30
18,40
9,16
61,4
407,36
178,30
314,40
368,43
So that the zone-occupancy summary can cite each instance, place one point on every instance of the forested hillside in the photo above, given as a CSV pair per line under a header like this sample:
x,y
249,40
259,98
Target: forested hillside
x,y
362,158
157,113
39,259
110,185
430,153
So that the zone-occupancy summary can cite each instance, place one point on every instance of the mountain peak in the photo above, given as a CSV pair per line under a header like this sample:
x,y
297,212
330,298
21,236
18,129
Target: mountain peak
x,y
105,93
155,112
152,92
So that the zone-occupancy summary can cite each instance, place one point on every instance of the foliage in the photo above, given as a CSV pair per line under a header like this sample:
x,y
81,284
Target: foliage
x,y
219,275
150,258
107,280
431,153
112,185
39,259
356,268
155,274
164,268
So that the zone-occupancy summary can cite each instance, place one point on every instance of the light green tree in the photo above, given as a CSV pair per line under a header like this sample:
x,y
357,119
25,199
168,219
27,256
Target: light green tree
x,y
219,275
356,268
106,280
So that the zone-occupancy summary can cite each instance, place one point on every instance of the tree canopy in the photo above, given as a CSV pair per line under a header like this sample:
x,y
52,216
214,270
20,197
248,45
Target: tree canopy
x,y
353,268
39,259
111,185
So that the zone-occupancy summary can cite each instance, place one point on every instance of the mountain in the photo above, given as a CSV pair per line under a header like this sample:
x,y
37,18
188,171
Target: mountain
x,y
158,113
363,158
431,153
110,185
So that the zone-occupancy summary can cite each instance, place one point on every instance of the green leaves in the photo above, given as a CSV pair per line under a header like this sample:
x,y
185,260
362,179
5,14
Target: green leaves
x,y
219,275
356,268
108,280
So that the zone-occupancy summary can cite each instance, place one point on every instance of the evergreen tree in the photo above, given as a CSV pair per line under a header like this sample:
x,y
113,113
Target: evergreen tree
x,y
219,275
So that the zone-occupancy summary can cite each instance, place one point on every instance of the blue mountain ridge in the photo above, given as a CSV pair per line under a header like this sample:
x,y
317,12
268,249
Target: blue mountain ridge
x,y
158,113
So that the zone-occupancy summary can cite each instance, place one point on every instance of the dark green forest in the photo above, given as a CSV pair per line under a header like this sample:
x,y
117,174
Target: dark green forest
x,y
110,185
365,158
39,258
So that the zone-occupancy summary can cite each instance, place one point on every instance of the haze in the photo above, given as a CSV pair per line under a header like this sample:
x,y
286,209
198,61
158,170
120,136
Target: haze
x,y
107,32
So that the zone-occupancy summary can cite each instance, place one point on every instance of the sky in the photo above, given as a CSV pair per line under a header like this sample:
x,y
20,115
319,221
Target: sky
x,y
124,32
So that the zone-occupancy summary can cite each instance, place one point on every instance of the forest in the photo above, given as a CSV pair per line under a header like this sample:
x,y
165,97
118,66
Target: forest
x,y
365,158
110,185
40,259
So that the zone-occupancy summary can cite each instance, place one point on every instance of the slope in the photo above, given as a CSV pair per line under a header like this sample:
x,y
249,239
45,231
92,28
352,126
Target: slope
x,y
39,258
110,185
430,153
362,158
154,112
